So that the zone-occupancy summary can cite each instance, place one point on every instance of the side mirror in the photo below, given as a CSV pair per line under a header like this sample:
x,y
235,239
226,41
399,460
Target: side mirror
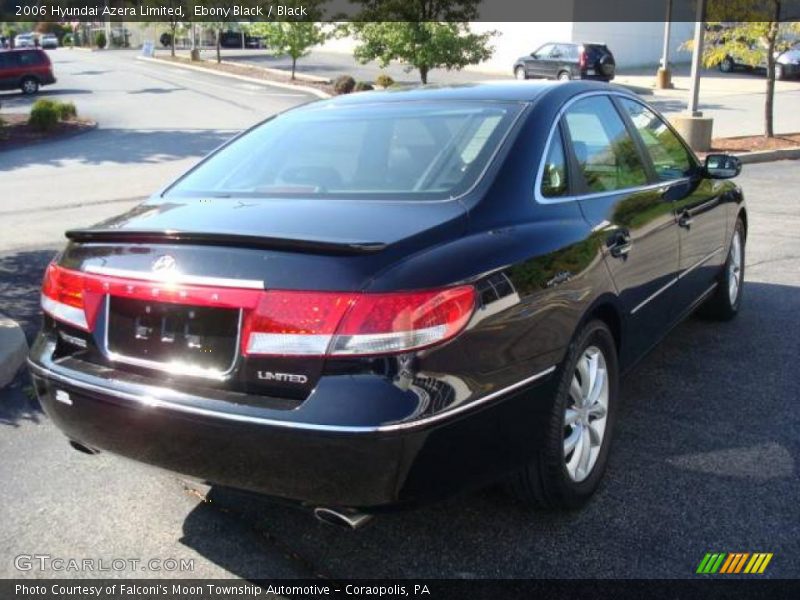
x,y
722,166
533,55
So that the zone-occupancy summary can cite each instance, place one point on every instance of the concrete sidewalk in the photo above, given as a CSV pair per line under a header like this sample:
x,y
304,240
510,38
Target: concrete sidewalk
x,y
13,349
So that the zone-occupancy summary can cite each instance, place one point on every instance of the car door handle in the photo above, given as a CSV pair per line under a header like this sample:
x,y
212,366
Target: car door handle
x,y
620,244
685,220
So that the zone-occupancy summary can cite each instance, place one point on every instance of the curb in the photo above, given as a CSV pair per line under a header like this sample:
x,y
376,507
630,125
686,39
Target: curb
x,y
768,155
10,147
281,72
13,349
286,86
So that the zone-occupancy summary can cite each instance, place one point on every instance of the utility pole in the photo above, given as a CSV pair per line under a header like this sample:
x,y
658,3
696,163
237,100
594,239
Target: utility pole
x,y
664,77
697,55
695,128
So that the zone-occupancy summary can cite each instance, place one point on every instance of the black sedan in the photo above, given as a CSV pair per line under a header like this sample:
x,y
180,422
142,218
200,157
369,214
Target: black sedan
x,y
377,300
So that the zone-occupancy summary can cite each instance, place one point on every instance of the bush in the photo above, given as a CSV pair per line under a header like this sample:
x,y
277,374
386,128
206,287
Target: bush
x,y
66,111
44,115
384,80
67,40
363,86
344,84
100,39
166,39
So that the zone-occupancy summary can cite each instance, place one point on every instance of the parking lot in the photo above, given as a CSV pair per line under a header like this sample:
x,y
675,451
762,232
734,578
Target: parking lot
x,y
706,450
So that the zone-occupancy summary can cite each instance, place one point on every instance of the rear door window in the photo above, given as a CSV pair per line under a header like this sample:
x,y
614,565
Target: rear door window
x,y
670,158
606,154
29,58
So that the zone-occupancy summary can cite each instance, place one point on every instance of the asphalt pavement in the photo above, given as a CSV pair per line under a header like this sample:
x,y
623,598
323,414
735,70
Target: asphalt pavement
x,y
706,450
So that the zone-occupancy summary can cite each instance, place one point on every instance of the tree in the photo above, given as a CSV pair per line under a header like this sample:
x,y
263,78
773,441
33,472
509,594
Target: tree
x,y
172,21
294,38
423,34
756,40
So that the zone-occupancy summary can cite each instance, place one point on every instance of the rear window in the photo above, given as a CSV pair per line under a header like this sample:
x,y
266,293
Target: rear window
x,y
392,150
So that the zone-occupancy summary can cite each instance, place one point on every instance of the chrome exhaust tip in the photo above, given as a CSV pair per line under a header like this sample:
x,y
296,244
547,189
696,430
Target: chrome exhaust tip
x,y
347,519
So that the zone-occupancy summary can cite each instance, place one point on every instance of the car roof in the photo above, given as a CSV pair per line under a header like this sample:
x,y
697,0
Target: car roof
x,y
488,91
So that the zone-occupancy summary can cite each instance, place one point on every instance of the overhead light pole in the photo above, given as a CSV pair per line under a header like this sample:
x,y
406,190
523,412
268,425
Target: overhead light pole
x,y
697,55
692,125
664,77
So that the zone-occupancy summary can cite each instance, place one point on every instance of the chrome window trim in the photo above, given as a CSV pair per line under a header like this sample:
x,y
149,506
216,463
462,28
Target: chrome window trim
x,y
177,278
674,280
151,397
540,199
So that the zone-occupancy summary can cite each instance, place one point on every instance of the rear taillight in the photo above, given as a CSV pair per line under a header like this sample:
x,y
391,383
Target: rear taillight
x,y
348,324
65,298
583,59
282,322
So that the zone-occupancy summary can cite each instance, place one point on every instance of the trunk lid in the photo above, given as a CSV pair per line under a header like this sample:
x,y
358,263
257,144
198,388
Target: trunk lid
x,y
235,246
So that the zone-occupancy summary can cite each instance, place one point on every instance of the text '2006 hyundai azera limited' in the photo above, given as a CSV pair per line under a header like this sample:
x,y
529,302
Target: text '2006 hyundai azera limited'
x,y
377,300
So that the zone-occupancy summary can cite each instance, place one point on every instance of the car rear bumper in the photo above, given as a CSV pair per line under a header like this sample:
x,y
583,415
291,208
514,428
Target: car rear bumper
x,y
367,467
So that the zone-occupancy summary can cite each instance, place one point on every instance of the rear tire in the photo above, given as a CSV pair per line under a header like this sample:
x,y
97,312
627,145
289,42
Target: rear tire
x,y
29,86
564,76
520,74
727,299
571,458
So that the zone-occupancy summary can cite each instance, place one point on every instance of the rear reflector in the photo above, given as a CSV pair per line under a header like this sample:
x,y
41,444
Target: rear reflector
x,y
282,322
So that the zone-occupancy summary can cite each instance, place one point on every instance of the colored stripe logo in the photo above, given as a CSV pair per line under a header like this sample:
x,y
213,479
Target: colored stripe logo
x,y
726,563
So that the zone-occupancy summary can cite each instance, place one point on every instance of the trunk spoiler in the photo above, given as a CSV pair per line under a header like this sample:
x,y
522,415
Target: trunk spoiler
x,y
224,239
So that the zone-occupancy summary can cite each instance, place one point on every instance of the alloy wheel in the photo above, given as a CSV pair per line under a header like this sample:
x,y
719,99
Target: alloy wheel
x,y
519,73
735,268
586,414
29,86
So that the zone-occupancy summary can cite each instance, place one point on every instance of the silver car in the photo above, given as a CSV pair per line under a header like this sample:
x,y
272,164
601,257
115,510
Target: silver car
x,y
24,40
48,40
787,64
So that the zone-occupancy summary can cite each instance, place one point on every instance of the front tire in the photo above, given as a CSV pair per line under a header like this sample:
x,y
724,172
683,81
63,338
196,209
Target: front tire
x,y
727,299
519,73
29,86
726,66
571,458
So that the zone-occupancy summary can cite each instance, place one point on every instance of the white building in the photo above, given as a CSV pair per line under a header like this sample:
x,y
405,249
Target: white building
x,y
633,44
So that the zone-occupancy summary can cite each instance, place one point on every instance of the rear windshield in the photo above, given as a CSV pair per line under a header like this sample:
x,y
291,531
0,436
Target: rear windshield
x,y
394,150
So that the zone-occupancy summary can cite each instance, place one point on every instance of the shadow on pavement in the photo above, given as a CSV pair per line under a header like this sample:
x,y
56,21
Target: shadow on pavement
x,y
20,281
122,146
705,456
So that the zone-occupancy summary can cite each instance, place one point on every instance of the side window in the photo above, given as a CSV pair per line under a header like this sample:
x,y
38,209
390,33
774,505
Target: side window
x,y
28,58
606,153
554,175
544,51
670,158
